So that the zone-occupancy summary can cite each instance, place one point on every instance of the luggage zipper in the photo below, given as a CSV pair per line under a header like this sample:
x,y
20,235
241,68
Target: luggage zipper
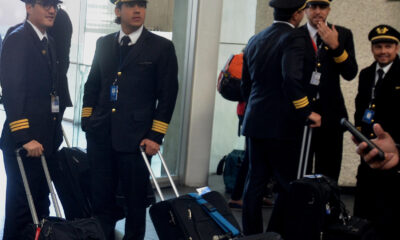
x,y
172,219
190,219
189,214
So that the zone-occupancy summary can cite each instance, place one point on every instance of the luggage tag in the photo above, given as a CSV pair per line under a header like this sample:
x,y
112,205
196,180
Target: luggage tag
x,y
203,190
315,78
114,93
368,116
55,104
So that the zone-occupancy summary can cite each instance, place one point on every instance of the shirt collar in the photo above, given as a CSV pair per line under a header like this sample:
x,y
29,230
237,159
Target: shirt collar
x,y
385,68
288,23
313,31
38,32
134,36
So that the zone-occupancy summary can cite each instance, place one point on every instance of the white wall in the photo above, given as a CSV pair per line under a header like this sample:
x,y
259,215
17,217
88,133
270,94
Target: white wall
x,y
237,26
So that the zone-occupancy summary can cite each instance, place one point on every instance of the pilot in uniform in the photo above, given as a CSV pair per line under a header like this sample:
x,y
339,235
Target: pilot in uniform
x,y
128,102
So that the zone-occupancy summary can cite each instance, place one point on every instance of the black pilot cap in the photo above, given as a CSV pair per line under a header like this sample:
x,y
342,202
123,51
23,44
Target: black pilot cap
x,y
384,33
43,2
319,2
288,4
122,1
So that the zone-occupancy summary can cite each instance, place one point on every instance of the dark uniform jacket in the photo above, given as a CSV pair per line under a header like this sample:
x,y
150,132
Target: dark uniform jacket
x,y
61,32
332,65
273,83
386,103
28,77
147,91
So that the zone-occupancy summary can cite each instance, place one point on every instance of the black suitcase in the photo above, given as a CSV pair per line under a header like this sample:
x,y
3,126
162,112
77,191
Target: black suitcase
x,y
315,211
188,217
309,196
71,177
56,228
351,228
262,236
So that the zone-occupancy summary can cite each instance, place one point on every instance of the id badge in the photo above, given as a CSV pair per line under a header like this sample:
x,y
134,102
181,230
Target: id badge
x,y
368,116
55,104
114,93
315,78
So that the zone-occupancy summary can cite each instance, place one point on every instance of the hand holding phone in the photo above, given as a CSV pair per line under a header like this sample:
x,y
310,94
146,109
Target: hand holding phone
x,y
361,138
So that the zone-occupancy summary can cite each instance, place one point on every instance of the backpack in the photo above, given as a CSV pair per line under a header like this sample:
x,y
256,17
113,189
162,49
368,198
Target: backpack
x,y
230,78
229,167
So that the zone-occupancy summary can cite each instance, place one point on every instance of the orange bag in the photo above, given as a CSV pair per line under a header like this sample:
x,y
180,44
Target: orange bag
x,y
230,78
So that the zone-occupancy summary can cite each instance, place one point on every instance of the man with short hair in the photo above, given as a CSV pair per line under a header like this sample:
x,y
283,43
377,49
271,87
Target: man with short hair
x,y
277,110
34,109
378,101
128,102
330,55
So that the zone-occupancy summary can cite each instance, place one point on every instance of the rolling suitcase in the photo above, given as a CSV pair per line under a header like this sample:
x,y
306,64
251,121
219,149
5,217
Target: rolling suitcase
x,y
191,216
71,177
56,228
262,236
309,197
315,210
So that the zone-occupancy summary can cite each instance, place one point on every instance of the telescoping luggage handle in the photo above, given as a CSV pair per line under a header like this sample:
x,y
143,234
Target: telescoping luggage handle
x,y
146,160
65,137
307,135
28,191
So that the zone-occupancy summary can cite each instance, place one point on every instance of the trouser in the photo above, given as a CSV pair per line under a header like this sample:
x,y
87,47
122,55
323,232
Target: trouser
x,y
18,215
268,157
109,169
377,199
327,146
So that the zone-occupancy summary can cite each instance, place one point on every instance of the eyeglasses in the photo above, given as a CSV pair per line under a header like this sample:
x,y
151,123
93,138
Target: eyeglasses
x,y
47,5
141,4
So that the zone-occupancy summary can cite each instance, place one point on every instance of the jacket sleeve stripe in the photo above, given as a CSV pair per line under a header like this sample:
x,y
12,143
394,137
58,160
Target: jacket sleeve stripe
x,y
87,111
20,127
160,130
301,103
342,57
159,123
25,120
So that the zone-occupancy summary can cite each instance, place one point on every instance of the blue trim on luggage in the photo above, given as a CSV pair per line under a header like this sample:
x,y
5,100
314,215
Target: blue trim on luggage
x,y
215,215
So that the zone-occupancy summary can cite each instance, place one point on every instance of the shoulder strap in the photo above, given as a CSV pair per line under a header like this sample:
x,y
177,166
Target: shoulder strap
x,y
215,215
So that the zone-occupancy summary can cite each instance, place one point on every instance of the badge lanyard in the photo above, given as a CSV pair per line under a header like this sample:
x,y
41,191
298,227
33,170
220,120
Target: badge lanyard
x,y
114,86
369,112
316,75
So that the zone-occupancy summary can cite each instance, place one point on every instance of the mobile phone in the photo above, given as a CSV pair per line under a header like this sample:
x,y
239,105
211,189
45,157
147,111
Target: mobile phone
x,y
361,138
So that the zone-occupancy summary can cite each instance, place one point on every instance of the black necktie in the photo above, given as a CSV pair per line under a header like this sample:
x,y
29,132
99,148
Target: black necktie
x,y
45,46
45,50
124,47
319,40
125,41
380,80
